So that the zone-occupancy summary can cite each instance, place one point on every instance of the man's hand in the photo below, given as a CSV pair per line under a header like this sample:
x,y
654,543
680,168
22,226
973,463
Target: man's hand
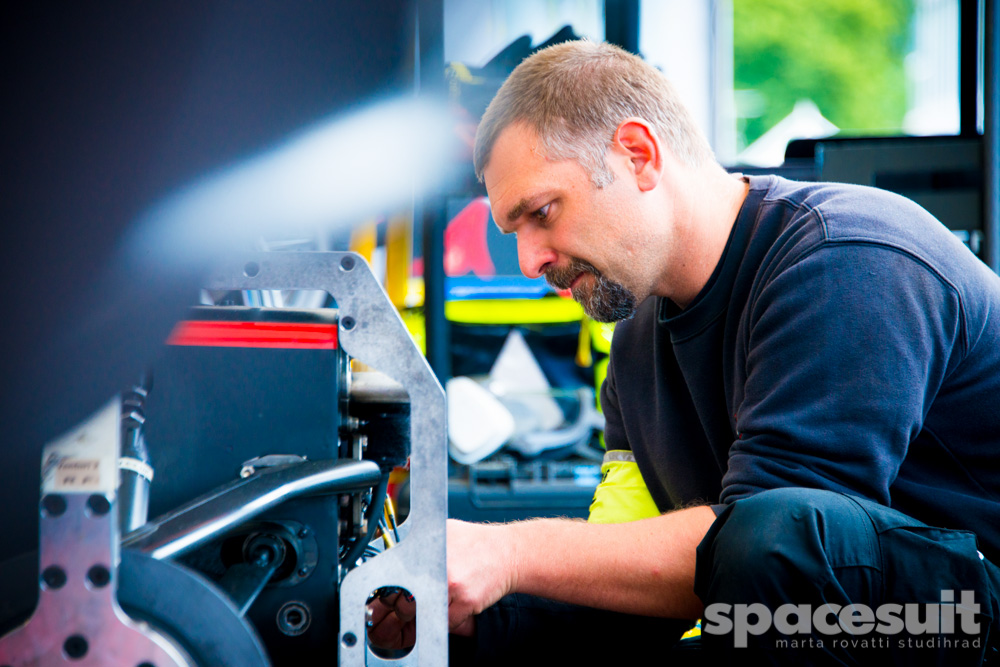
x,y
482,568
480,572
392,621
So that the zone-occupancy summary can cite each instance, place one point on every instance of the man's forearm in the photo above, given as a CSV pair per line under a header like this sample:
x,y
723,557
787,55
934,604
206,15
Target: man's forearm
x,y
644,567
641,567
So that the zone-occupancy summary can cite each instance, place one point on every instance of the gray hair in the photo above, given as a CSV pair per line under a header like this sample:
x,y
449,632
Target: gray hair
x,y
575,94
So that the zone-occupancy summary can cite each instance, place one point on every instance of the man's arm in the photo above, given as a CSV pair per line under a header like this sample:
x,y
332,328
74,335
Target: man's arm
x,y
642,567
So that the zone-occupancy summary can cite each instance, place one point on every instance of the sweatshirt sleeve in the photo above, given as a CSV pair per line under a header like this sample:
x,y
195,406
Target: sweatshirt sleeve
x,y
844,351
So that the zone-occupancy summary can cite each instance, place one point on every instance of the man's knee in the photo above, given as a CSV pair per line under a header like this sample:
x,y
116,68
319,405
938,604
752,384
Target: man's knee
x,y
764,547
769,523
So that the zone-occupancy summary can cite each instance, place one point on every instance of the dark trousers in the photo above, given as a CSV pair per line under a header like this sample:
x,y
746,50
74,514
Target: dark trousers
x,y
855,583
815,552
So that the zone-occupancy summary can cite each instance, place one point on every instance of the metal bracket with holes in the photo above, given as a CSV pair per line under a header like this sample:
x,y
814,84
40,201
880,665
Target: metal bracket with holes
x,y
78,619
372,332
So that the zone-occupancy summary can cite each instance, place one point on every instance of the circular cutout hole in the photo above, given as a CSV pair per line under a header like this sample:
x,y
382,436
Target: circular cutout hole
x,y
347,263
348,323
293,619
53,505
98,504
349,639
251,269
99,576
146,664
75,647
393,641
54,577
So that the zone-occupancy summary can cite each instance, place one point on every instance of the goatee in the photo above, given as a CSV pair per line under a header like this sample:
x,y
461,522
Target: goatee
x,y
608,301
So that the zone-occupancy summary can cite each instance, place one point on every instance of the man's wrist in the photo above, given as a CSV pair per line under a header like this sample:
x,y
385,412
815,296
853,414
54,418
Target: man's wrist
x,y
529,545
513,541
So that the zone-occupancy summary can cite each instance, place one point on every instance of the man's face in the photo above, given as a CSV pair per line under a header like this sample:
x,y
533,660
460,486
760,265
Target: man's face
x,y
568,230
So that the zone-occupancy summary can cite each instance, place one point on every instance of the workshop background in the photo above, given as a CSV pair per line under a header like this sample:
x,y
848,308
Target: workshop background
x,y
113,108
145,142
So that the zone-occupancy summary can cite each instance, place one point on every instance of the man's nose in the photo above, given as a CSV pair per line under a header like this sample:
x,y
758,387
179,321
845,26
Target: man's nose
x,y
533,254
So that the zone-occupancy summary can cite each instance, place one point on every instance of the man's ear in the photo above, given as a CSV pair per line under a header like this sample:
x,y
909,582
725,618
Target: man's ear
x,y
636,138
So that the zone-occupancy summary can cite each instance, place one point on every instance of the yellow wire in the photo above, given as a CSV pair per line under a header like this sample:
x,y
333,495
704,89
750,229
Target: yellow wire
x,y
390,523
390,513
387,539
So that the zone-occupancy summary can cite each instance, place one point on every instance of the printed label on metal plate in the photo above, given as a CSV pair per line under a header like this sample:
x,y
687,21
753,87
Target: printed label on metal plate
x,y
85,460
77,475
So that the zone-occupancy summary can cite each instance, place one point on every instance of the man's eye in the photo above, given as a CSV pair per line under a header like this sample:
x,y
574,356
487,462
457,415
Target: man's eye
x,y
543,213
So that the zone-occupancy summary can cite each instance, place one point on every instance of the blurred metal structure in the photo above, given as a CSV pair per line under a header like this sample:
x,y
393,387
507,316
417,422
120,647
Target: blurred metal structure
x,y
278,564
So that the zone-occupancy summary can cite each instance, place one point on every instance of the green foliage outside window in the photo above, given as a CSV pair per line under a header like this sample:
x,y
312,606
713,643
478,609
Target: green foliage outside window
x,y
844,55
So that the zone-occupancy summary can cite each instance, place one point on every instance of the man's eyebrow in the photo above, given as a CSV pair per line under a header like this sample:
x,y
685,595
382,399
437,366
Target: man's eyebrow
x,y
520,208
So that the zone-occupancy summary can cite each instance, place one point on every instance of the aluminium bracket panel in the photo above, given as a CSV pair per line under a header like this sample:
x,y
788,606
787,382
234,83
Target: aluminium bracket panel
x,y
78,619
371,331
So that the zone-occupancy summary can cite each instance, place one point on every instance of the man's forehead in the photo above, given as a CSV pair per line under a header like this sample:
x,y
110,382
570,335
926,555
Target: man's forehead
x,y
517,146
522,135
519,173
511,175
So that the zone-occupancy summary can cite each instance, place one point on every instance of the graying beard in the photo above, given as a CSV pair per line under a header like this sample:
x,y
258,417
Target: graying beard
x,y
609,301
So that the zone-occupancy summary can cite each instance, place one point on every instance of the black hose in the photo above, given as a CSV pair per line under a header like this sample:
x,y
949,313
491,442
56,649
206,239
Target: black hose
x,y
134,479
376,505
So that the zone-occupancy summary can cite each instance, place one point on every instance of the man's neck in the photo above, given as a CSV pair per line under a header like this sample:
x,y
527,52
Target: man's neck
x,y
712,206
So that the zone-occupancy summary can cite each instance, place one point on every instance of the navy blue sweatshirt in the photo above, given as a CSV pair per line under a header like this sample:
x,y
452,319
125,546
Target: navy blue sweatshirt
x,y
846,341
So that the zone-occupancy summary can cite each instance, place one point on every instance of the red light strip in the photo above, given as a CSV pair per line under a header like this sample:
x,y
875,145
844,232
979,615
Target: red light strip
x,y
284,335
